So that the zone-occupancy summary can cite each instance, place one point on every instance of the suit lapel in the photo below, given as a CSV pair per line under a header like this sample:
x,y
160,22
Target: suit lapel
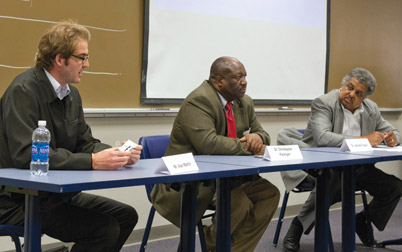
x,y
368,121
216,105
238,110
241,118
338,118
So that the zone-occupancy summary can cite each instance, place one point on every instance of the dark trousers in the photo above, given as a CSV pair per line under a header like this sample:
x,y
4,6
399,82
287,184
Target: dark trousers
x,y
386,190
91,222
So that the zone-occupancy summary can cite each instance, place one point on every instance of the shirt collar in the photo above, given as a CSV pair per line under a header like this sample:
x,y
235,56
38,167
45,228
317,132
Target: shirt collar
x,y
223,100
358,111
61,91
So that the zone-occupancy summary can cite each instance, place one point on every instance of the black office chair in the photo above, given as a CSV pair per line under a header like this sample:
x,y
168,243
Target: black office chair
x,y
155,147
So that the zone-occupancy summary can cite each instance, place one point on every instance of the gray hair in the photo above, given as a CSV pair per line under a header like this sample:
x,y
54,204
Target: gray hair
x,y
364,77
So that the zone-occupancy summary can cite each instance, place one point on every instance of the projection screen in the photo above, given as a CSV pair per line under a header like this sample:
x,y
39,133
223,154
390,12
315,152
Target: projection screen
x,y
284,46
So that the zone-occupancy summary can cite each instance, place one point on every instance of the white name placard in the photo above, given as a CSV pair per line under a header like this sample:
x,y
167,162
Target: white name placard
x,y
355,145
282,152
177,164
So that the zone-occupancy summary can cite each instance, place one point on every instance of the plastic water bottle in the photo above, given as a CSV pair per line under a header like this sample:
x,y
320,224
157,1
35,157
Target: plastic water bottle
x,y
40,150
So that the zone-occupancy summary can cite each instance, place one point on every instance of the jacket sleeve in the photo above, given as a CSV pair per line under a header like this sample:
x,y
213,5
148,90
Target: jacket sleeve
x,y
321,122
255,126
20,113
382,125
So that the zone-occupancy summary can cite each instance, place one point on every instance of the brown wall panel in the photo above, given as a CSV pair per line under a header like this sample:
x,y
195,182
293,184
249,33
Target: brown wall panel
x,y
364,33
115,48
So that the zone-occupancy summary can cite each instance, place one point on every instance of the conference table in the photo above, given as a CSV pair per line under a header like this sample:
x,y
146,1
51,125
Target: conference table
x,y
313,158
348,183
220,168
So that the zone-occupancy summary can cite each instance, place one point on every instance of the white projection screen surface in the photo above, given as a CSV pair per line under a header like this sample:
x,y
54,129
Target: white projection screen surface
x,y
282,44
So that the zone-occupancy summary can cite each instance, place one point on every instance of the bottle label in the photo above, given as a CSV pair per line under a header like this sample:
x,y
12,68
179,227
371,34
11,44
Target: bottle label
x,y
40,152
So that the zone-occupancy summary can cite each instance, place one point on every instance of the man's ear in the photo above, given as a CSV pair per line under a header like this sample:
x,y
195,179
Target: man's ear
x,y
216,82
59,60
219,81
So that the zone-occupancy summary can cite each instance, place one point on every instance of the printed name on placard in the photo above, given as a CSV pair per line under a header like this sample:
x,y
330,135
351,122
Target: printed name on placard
x,y
282,152
177,164
181,166
356,145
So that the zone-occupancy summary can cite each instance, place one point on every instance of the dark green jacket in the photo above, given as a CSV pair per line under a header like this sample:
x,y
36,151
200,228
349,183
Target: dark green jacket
x,y
201,128
28,99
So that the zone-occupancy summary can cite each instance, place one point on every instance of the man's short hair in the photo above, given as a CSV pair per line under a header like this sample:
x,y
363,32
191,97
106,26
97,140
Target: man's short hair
x,y
221,66
61,38
364,77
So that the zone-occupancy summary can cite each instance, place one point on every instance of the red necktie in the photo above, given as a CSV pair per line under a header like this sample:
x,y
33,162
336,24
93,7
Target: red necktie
x,y
231,121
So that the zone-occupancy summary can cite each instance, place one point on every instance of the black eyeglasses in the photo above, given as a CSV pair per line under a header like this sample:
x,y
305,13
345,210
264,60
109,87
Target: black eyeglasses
x,y
83,58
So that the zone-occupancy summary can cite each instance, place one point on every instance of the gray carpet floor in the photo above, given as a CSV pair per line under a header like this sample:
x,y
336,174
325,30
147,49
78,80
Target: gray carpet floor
x,y
392,231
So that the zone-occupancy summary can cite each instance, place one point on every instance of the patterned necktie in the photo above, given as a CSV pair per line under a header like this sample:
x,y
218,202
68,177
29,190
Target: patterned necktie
x,y
231,121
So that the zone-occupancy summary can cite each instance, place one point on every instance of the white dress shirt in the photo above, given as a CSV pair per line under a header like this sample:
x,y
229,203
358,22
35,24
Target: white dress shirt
x,y
61,91
352,122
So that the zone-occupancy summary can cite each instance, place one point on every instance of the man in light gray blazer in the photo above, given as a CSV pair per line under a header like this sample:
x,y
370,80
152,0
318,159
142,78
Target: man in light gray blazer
x,y
342,114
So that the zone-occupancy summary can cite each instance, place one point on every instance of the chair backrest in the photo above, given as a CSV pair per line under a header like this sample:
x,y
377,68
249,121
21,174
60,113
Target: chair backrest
x,y
153,147
301,130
